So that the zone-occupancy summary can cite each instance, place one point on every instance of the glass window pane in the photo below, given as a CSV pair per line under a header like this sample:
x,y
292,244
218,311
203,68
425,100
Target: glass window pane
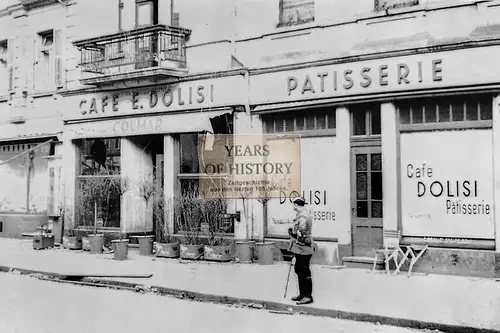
x,y
444,112
361,186
321,121
279,124
457,111
289,119
430,113
145,13
331,121
376,178
359,122
404,113
299,122
362,209
269,124
417,114
486,109
361,162
375,121
99,156
189,153
310,122
377,209
471,110
376,162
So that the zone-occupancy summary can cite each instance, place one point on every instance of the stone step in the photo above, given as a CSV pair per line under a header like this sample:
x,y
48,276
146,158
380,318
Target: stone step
x,y
362,262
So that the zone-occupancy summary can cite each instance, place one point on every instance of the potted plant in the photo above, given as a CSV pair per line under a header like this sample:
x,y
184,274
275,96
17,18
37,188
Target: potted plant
x,y
265,250
165,246
96,192
245,248
213,213
187,212
147,189
71,240
120,247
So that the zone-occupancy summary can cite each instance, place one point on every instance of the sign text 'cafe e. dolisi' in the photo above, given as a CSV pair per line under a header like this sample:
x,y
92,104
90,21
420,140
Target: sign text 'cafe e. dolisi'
x,y
167,97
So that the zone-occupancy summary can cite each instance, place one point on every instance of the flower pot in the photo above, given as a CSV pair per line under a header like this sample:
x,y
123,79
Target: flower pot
x,y
120,247
96,243
145,245
244,251
85,244
265,253
167,250
72,242
218,253
193,252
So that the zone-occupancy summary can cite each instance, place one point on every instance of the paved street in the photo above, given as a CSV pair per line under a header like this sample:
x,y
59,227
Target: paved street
x,y
30,306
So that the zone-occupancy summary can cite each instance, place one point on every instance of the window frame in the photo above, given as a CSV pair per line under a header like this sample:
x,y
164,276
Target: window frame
x,y
448,125
44,80
368,110
282,22
154,12
316,132
80,176
380,5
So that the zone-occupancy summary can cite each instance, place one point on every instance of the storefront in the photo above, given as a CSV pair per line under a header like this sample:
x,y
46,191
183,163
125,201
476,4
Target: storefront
x,y
405,142
139,135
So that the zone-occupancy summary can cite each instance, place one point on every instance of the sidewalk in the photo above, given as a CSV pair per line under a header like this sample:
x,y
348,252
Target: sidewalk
x,y
471,303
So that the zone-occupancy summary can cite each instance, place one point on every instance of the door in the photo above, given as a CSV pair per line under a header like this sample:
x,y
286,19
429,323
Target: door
x,y
366,206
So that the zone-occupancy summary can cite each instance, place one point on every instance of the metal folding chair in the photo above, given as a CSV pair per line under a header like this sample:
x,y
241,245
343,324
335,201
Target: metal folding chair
x,y
390,251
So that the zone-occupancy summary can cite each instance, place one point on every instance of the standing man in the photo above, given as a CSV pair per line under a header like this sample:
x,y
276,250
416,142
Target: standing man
x,y
303,247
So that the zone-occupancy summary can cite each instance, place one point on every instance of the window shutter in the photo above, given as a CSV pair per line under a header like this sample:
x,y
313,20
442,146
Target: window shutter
x,y
10,64
58,60
28,61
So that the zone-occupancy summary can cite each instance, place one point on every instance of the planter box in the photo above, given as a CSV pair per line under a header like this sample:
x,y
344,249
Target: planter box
x,y
72,242
85,244
193,252
120,247
167,250
218,253
43,242
145,245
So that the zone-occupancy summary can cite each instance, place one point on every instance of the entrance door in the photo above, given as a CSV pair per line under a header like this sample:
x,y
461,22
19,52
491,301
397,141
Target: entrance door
x,y
366,206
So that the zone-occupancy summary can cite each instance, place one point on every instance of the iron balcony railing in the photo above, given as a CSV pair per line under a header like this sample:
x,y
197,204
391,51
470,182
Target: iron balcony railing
x,y
153,46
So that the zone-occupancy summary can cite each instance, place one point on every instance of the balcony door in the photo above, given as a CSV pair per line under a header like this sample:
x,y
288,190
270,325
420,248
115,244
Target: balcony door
x,y
146,14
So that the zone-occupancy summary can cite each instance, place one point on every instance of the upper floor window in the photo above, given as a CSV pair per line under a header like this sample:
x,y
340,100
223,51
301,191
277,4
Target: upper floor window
x,y
307,122
293,12
146,13
44,65
4,66
388,4
446,112
365,120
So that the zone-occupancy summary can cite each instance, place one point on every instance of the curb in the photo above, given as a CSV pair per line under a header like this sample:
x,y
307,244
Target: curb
x,y
273,307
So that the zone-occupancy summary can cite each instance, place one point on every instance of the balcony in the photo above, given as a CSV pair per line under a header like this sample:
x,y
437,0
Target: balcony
x,y
146,53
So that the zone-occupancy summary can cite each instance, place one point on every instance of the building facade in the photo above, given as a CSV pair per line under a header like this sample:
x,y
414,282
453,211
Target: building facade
x,y
396,103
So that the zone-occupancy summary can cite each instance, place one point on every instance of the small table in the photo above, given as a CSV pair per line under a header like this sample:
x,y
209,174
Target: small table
x,y
415,252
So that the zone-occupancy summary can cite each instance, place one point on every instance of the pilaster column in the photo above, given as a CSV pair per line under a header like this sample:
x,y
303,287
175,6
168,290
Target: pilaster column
x,y
390,167
496,175
170,170
343,199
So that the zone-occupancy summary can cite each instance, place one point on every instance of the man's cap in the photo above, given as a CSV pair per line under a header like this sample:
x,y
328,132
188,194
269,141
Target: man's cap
x,y
299,202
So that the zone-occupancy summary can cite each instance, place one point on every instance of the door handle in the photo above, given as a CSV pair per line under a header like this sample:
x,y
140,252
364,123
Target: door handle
x,y
353,210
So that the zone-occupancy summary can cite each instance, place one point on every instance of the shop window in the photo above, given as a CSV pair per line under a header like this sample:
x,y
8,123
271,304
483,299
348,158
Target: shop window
x,y
388,4
366,120
306,122
294,12
99,184
436,113
195,154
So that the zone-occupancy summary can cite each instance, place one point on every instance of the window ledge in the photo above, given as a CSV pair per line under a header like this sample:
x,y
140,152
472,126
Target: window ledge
x,y
43,93
480,124
4,97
